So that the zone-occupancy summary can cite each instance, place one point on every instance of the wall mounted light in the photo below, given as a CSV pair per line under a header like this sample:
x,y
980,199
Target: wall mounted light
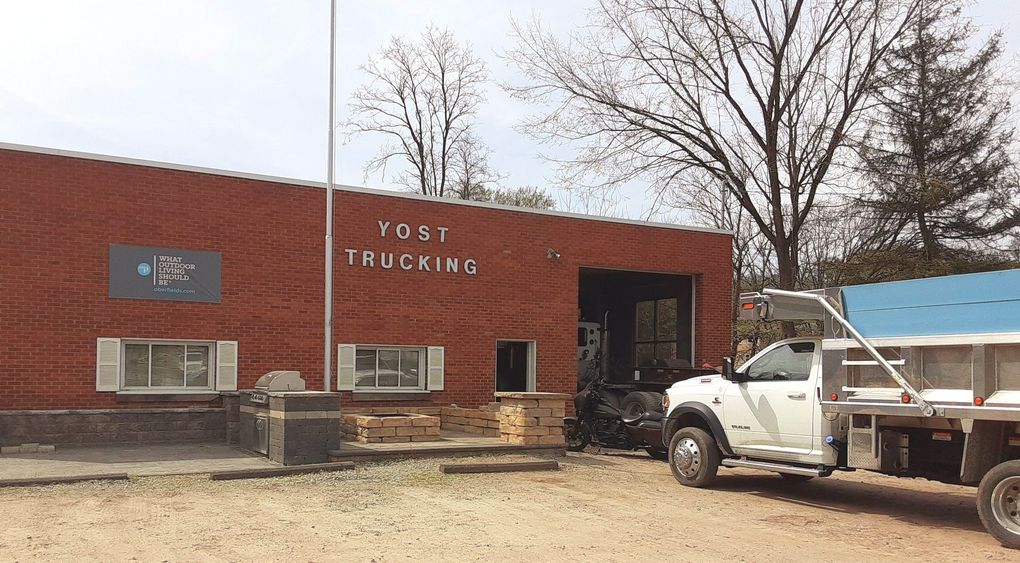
x,y
552,254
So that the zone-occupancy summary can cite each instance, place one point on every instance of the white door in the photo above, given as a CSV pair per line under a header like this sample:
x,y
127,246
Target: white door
x,y
775,411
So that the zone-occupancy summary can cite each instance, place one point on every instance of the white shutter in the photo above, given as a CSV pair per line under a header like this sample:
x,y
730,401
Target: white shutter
x,y
345,367
107,364
226,365
437,368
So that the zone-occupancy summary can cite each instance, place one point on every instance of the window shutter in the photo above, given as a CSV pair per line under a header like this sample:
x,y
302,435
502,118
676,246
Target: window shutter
x,y
437,368
107,364
226,365
345,367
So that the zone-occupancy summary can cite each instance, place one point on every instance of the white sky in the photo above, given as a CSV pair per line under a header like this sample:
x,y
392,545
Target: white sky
x,y
242,84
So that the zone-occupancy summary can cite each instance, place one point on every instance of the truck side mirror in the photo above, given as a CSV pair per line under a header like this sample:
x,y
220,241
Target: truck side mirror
x,y
727,369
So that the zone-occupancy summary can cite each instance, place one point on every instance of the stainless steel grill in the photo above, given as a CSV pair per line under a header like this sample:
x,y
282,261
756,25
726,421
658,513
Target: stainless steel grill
x,y
281,381
276,381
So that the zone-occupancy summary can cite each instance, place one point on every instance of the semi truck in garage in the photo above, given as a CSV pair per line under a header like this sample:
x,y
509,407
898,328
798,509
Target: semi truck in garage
x,y
917,378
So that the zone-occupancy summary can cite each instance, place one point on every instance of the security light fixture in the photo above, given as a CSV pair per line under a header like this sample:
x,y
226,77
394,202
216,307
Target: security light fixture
x,y
552,254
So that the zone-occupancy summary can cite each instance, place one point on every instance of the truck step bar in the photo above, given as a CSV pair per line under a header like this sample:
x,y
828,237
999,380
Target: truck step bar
x,y
775,467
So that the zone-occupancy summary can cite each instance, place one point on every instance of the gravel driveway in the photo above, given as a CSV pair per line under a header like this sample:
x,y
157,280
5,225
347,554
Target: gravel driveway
x,y
598,507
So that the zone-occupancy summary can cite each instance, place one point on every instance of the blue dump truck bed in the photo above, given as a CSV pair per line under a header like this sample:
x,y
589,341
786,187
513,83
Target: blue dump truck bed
x,y
950,305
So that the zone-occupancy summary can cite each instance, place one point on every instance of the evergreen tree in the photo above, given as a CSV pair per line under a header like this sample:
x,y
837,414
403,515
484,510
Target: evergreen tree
x,y
937,153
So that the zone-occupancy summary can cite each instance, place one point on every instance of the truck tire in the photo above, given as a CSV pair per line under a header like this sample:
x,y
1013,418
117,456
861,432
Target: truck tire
x,y
998,503
639,402
693,457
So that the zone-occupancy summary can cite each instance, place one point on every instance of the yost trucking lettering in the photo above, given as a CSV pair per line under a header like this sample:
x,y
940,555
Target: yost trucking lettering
x,y
411,262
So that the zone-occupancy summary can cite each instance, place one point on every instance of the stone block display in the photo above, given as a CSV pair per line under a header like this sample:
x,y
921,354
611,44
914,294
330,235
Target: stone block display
x,y
532,419
93,427
483,421
373,428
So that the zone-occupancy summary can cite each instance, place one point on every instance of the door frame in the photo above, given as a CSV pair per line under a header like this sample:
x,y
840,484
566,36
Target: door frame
x,y
530,384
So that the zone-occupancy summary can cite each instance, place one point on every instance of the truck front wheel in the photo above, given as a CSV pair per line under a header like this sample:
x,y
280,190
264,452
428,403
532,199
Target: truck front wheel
x,y
693,457
998,503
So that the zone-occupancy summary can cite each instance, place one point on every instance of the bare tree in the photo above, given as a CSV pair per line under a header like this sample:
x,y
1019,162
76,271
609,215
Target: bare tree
x,y
422,97
524,196
712,204
759,95
844,243
473,177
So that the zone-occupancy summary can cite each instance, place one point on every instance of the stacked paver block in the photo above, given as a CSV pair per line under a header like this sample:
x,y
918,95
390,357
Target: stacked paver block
x,y
431,411
483,421
532,419
379,428
112,426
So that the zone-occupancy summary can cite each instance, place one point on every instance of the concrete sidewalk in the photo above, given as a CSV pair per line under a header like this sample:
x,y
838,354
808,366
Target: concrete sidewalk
x,y
136,461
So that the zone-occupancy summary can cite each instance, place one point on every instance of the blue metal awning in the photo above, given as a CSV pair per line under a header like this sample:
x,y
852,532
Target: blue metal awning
x,y
987,302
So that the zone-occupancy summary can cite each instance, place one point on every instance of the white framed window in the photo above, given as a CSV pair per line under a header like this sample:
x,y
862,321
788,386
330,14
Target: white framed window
x,y
386,367
381,368
165,366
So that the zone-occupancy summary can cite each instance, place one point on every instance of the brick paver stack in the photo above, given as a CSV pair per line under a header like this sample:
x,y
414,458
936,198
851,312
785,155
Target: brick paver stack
x,y
532,419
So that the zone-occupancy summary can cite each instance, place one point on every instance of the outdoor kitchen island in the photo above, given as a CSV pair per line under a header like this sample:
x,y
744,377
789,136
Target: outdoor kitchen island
x,y
291,426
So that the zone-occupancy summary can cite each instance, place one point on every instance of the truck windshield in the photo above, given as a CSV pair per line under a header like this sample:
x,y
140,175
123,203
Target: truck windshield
x,y
789,362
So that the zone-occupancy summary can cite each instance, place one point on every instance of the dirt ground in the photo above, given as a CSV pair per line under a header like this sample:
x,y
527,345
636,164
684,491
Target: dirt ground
x,y
598,507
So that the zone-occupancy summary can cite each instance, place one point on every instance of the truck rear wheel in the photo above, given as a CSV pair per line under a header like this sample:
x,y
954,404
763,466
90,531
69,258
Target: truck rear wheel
x,y
998,503
693,457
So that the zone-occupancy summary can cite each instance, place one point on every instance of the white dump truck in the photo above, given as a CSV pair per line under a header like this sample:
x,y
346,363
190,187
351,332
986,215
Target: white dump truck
x,y
919,378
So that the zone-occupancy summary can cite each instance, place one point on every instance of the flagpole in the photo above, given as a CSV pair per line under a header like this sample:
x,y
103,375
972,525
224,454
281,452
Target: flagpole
x,y
328,324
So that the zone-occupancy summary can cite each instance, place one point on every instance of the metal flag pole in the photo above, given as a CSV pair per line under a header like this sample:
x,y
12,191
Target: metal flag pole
x,y
328,325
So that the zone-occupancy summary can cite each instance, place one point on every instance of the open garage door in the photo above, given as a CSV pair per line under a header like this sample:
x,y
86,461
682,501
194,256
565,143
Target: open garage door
x,y
647,319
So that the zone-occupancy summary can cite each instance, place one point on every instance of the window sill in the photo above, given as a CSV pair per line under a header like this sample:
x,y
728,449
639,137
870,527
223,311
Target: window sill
x,y
205,395
389,395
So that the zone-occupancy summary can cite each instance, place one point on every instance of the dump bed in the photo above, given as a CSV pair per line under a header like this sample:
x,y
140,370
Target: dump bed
x,y
972,304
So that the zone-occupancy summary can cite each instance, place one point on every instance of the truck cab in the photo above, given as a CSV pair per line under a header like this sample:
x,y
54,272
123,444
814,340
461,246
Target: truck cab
x,y
769,408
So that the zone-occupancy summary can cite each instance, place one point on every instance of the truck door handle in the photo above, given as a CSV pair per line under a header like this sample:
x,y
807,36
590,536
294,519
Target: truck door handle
x,y
796,395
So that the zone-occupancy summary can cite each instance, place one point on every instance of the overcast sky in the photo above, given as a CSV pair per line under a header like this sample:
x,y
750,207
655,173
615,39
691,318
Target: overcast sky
x,y
242,84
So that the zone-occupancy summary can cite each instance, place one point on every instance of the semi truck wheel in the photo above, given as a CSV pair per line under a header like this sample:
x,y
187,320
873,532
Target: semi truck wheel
x,y
638,402
693,457
998,503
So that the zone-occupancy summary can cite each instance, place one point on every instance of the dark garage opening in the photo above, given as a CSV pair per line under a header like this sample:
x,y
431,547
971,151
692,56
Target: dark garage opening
x,y
646,320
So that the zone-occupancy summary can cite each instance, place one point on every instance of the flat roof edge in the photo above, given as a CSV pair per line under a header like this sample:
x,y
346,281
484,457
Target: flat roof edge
x,y
343,187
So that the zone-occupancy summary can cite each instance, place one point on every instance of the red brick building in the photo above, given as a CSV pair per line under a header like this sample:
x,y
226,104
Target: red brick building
x,y
437,301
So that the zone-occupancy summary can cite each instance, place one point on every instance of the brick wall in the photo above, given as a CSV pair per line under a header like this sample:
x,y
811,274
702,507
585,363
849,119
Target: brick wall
x,y
58,216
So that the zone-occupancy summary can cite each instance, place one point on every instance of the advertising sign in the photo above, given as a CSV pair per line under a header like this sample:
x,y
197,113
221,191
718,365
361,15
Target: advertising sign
x,y
165,274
